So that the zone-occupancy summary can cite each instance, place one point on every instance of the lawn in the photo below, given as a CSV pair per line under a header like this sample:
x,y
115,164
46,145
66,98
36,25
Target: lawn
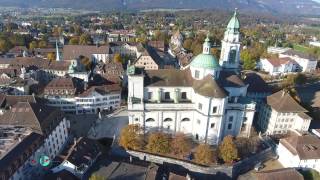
x,y
300,48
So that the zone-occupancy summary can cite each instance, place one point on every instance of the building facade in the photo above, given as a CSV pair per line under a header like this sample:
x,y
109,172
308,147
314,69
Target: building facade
x,y
306,63
281,113
205,100
278,66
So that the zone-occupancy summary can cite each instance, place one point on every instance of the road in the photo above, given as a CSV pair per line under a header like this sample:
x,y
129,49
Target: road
x,y
109,127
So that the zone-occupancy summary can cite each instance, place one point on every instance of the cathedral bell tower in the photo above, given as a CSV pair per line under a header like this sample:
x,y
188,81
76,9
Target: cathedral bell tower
x,y
230,51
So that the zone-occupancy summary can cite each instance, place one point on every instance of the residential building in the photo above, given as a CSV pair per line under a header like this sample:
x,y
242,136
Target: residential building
x,y
29,131
275,174
300,151
121,35
205,100
77,157
307,63
74,96
148,59
281,113
278,66
94,53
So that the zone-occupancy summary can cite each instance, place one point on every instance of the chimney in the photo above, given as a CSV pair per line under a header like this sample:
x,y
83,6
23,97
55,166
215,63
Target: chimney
x,y
85,85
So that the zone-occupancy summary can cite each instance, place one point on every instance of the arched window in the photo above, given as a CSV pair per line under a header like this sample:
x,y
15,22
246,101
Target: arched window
x,y
185,120
232,56
150,120
167,120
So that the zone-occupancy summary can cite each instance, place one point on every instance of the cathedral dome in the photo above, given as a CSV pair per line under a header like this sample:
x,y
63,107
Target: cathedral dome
x,y
206,61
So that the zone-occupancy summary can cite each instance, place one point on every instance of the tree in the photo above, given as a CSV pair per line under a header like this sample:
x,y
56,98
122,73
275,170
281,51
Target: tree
x,y
216,52
85,39
96,177
180,145
51,56
130,137
228,150
117,58
33,45
246,146
158,143
5,45
187,44
86,62
42,44
294,79
204,154
249,63
74,41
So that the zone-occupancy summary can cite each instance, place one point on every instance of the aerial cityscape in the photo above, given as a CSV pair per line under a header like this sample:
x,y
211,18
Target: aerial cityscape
x,y
160,90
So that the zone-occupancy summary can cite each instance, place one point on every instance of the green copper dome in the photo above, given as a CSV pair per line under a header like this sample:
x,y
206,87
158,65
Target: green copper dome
x,y
234,22
206,61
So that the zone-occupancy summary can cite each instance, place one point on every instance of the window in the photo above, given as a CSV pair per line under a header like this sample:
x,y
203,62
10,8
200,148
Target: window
x,y
214,109
212,125
231,119
198,121
149,95
229,126
136,119
167,95
196,74
185,119
167,119
200,106
183,95
150,120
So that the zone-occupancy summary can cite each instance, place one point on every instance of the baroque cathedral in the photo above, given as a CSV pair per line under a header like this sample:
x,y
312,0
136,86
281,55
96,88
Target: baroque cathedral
x,y
206,100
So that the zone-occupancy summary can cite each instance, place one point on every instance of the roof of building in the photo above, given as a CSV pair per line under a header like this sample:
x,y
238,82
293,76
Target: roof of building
x,y
306,147
61,85
82,151
103,90
177,78
304,116
173,176
292,52
279,61
38,117
71,52
61,175
256,83
281,101
230,79
279,174
10,100
17,144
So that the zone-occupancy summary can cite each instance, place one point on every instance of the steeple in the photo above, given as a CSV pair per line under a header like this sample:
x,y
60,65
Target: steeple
x,y
206,45
57,52
234,23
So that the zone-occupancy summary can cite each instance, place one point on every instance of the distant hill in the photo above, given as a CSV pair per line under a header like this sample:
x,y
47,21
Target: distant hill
x,y
272,6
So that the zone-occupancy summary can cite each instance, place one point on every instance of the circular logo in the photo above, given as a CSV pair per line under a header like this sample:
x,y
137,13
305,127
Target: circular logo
x,y
44,161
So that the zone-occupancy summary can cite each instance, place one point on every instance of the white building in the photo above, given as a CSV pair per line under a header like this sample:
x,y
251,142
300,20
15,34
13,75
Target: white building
x,y
315,43
278,66
73,96
282,113
277,50
45,134
300,151
306,62
205,100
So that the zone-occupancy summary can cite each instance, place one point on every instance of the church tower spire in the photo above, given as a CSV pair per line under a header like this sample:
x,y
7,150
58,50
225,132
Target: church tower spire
x,y
57,52
230,51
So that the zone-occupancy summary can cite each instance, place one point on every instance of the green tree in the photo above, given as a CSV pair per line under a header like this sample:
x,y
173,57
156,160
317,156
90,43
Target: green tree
x,y
5,45
74,41
180,145
292,80
249,63
158,143
204,154
228,150
85,39
130,137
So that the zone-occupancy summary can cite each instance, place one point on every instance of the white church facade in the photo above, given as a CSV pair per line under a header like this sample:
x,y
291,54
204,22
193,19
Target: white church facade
x,y
206,100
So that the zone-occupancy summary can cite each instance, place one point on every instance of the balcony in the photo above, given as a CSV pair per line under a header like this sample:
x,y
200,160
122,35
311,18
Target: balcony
x,y
167,105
